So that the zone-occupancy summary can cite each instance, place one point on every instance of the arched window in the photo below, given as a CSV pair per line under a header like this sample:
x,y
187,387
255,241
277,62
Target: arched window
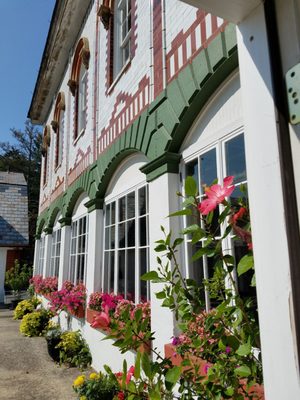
x,y
58,127
45,152
78,85
126,238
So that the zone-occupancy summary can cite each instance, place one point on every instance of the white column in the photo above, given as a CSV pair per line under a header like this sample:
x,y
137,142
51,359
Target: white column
x,y
267,212
94,259
162,202
64,254
36,256
47,255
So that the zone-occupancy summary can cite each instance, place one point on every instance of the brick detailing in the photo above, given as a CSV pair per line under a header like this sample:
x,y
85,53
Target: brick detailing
x,y
58,188
186,45
126,109
82,161
44,203
13,215
157,48
110,40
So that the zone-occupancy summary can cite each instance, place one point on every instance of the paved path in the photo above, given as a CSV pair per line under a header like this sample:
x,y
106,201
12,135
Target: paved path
x,y
27,372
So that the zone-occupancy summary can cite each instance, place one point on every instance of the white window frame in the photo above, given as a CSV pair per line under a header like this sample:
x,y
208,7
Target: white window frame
x,y
227,244
75,254
41,258
137,246
55,252
122,18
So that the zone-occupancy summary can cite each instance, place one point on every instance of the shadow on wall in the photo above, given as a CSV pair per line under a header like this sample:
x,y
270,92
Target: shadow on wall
x,y
9,236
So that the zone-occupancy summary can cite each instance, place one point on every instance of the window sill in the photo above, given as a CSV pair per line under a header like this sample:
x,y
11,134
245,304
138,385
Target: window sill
x,y
118,77
78,137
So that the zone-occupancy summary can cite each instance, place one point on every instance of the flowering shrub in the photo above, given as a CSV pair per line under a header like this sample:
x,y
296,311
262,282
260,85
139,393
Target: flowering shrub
x,y
227,337
73,350
35,323
95,387
70,298
25,307
106,302
44,285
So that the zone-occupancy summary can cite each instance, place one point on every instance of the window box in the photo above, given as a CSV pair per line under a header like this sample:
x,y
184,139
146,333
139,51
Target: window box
x,y
79,313
176,359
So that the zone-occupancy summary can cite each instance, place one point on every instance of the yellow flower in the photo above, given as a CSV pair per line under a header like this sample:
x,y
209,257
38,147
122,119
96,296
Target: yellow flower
x,y
79,381
93,375
83,398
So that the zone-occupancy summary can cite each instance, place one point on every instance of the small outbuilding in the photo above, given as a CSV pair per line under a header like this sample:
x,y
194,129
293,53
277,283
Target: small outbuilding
x,y
13,221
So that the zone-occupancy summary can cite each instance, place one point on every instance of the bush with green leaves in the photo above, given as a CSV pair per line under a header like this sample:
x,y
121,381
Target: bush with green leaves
x,y
25,307
73,350
226,337
35,323
96,387
17,278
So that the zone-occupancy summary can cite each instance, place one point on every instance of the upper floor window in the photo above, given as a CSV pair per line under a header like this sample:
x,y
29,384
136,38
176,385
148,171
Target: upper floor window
x,y
58,127
78,85
122,33
45,152
126,245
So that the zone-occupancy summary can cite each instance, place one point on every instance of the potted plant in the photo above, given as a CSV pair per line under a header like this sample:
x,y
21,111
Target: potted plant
x,y
17,280
53,337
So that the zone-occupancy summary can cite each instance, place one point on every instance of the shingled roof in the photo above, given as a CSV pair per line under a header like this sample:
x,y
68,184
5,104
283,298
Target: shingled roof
x,y
13,210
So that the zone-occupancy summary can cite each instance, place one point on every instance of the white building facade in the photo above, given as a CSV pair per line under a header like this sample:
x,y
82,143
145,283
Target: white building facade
x,y
134,95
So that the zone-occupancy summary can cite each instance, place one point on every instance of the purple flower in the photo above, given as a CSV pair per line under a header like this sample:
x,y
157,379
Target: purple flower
x,y
228,350
176,341
206,368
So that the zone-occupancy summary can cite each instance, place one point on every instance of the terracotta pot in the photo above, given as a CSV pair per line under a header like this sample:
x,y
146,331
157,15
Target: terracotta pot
x,y
80,313
176,359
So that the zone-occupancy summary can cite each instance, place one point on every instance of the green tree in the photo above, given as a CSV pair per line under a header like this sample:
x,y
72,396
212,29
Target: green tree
x,y
25,156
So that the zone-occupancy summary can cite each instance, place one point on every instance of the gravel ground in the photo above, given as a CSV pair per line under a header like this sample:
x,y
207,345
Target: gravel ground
x,y
27,372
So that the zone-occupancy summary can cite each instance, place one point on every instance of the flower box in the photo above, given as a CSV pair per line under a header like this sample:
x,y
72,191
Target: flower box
x,y
176,359
79,313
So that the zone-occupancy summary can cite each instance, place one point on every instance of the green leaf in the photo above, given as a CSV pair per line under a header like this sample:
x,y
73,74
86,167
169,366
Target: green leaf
x,y
189,201
146,365
186,211
173,374
148,276
191,229
190,186
160,247
203,251
154,395
246,263
242,371
177,242
253,281
160,295
229,391
137,366
244,349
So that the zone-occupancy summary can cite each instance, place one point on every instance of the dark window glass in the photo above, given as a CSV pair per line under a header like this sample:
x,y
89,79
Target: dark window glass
x,y
107,214
143,231
122,209
131,274
130,205
143,270
121,273
192,170
111,270
208,168
235,158
122,242
142,201
130,233
113,212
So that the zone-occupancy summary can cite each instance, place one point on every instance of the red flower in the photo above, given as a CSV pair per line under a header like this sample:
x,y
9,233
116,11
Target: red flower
x,y
216,195
121,396
129,374
101,321
239,215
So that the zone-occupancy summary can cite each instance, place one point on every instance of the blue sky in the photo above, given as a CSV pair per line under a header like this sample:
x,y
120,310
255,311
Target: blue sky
x,y
24,26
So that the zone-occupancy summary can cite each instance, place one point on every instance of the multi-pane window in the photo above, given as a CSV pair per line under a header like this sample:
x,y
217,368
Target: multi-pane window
x,y
82,100
126,245
122,30
78,253
225,158
59,139
55,253
41,257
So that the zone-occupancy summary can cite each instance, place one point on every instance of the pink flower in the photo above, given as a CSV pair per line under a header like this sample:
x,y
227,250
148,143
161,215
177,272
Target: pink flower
x,y
239,215
215,195
129,374
101,321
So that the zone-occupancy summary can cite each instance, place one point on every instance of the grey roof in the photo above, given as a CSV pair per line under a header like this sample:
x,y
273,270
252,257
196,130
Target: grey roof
x,y
13,210
12,178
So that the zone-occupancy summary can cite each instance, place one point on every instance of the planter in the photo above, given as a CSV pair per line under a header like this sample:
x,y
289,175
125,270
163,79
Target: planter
x,y
176,359
79,313
51,346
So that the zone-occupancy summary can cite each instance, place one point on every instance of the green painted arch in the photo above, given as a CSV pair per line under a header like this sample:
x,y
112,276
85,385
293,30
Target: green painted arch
x,y
40,225
72,198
